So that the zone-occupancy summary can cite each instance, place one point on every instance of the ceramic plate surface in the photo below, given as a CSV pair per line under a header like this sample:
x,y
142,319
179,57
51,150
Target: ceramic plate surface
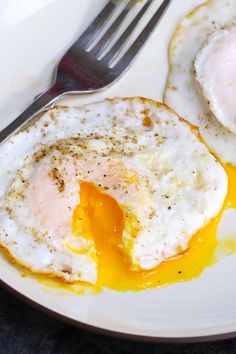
x,y
33,36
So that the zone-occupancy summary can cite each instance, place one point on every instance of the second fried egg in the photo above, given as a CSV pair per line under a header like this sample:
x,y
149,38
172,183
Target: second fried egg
x,y
210,106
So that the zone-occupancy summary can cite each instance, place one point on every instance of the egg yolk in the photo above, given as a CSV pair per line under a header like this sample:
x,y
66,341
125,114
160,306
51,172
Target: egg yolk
x,y
101,218
98,217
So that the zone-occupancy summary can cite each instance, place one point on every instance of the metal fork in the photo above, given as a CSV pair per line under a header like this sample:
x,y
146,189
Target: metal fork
x,y
87,66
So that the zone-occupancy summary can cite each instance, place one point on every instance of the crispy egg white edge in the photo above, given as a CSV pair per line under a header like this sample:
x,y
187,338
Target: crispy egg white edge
x,y
181,92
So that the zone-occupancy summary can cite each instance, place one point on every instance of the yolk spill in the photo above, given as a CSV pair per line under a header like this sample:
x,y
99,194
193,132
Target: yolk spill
x,y
230,201
227,247
102,218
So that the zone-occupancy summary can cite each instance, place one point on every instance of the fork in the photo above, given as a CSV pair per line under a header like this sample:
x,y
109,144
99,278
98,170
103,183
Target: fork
x,y
88,66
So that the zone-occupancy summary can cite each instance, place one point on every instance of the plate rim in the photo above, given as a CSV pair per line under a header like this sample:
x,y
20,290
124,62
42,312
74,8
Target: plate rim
x,y
112,333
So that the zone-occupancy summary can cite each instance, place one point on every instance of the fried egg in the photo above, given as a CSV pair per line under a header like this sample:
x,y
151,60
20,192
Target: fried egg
x,y
121,178
201,80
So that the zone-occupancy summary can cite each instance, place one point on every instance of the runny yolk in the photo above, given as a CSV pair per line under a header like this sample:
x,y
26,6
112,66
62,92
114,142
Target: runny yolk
x,y
100,217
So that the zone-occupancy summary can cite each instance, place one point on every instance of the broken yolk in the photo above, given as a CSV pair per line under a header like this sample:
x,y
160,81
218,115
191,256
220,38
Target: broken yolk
x,y
101,218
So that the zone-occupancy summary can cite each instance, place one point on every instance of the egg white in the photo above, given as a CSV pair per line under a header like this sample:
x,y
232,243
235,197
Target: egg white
x,y
159,172
182,92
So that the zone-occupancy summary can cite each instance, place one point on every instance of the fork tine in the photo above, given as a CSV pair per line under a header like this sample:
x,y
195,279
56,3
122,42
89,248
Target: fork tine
x,y
97,25
112,30
131,53
115,50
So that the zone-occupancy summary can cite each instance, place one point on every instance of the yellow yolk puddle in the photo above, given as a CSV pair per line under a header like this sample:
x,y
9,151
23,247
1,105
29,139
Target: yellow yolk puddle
x,y
227,247
100,217
230,201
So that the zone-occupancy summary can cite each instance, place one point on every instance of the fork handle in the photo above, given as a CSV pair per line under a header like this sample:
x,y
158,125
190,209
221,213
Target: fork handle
x,y
42,102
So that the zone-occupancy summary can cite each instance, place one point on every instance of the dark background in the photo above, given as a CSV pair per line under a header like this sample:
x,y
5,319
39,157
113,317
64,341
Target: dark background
x,y
24,330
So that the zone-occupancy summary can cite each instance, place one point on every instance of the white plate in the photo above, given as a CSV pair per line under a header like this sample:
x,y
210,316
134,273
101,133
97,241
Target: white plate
x,y
33,35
